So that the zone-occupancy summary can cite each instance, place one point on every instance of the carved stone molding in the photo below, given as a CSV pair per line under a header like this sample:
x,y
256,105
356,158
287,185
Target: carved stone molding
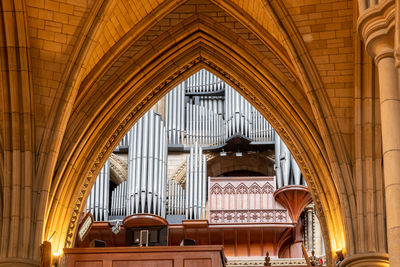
x,y
259,261
119,167
376,27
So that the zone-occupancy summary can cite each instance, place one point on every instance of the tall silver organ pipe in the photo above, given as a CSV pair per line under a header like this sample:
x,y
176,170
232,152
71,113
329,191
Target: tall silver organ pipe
x,y
196,184
286,168
144,190
97,203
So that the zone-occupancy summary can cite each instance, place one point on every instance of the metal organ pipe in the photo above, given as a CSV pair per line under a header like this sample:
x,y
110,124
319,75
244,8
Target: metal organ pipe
x,y
187,187
150,164
97,203
287,170
277,166
205,189
156,160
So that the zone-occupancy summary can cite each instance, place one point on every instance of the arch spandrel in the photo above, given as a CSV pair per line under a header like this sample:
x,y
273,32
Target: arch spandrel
x,y
80,162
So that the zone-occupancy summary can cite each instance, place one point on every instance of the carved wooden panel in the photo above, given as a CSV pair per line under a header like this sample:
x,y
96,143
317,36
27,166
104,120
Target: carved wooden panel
x,y
244,200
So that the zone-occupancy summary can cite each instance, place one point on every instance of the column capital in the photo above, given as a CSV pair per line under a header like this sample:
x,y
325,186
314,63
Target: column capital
x,y
376,25
309,207
366,260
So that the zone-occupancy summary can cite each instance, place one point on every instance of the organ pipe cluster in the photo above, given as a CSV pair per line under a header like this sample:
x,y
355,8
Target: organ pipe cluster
x,y
286,168
174,115
204,81
201,112
241,117
118,200
205,110
204,126
196,184
147,166
144,191
176,199
96,203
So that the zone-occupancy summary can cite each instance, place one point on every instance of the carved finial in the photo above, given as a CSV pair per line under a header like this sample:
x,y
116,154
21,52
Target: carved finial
x,y
267,260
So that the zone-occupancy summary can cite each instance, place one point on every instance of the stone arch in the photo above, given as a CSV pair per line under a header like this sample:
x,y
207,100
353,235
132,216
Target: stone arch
x,y
269,93
118,169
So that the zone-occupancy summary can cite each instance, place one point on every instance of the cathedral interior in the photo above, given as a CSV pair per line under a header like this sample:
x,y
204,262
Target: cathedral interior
x,y
143,133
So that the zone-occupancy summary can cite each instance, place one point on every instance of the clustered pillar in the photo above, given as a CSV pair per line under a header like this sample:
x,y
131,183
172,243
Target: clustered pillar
x,y
376,25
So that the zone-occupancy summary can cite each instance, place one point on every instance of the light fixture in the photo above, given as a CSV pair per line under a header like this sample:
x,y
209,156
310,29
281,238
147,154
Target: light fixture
x,y
339,254
56,259
239,154
116,229
222,153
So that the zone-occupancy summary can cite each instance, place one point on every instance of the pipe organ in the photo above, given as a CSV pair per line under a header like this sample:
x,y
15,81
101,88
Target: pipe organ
x,y
286,168
145,188
209,114
200,114
96,203
174,114
204,126
118,203
196,184
204,81
165,156
242,118
147,159
176,198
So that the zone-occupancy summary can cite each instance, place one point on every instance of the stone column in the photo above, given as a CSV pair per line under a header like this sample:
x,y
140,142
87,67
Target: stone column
x,y
318,240
376,26
309,228
390,112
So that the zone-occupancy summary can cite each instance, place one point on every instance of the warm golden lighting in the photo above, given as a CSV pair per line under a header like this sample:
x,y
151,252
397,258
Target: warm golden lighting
x,y
339,253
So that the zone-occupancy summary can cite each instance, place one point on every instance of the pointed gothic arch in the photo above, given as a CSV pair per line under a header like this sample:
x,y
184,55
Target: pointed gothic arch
x,y
103,116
